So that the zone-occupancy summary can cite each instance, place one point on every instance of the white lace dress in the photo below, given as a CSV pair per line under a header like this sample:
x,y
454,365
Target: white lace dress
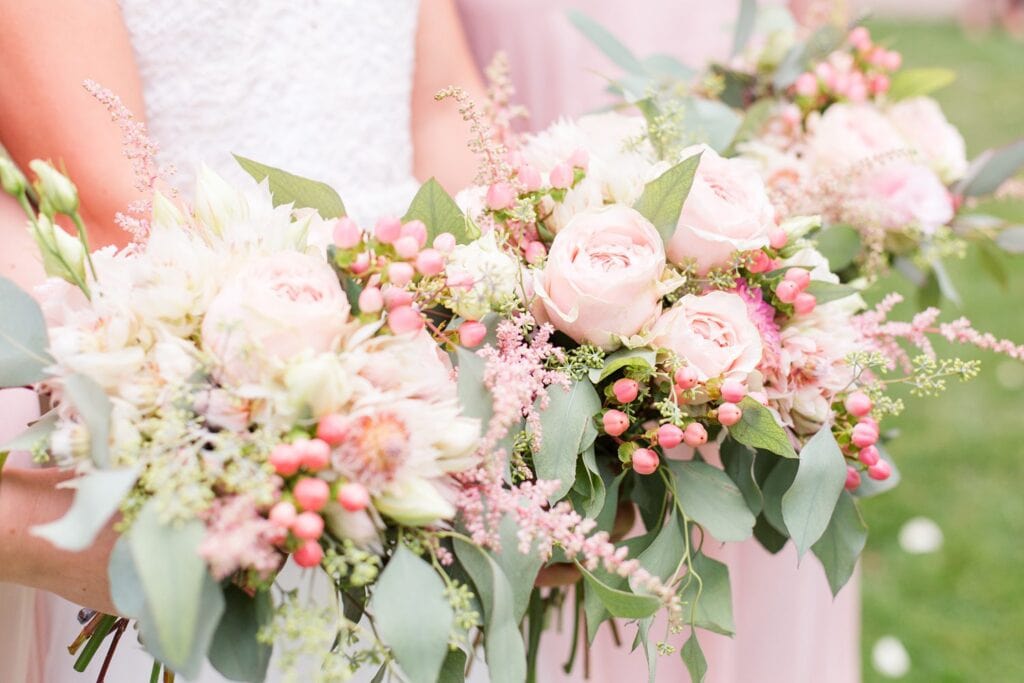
x,y
320,88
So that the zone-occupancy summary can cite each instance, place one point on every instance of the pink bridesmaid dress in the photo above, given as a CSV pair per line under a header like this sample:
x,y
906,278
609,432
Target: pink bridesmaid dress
x,y
789,629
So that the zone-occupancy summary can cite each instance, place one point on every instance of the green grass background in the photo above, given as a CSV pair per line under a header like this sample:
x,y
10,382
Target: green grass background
x,y
960,611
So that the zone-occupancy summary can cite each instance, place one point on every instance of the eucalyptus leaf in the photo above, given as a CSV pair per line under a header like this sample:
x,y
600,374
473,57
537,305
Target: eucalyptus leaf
x,y
413,615
564,424
744,26
288,188
662,200
94,407
126,590
474,398
774,488
664,555
908,83
808,504
840,244
235,651
738,463
37,432
992,261
520,568
643,634
620,603
946,286
758,428
754,119
713,609
644,359
842,543
98,495
606,42
991,169
825,292
1012,239
709,121
23,340
769,538
454,668
439,213
712,500
693,658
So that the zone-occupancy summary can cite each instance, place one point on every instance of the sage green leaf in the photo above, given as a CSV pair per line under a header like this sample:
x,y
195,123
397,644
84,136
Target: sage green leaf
x,y
288,188
808,504
454,668
840,244
754,120
830,291
738,463
606,42
606,518
23,340
439,213
842,543
710,122
126,590
757,428
693,658
712,500
587,493
712,610
564,424
235,651
662,200
412,615
643,635
474,398
98,495
663,557
37,432
520,568
94,407
644,359
620,603
991,169
769,538
1011,240
908,83
183,604
774,488
503,643
744,26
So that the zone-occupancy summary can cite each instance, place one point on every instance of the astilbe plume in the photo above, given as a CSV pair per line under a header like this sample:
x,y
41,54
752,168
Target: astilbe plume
x,y
238,536
499,108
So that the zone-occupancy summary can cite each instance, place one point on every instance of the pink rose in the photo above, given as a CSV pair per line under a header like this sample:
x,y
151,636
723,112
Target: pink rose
x,y
727,210
601,280
907,194
850,133
275,308
713,333
940,144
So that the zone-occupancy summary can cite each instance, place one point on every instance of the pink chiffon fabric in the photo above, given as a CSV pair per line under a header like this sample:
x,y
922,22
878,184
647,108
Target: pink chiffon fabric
x,y
789,629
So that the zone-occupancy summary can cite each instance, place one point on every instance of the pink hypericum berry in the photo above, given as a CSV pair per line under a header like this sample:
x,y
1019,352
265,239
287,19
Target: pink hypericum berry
x,y
791,115
353,496
852,478
371,300
685,378
857,91
761,262
530,178
824,71
309,555
285,459
404,319
430,262
871,422
625,390
892,61
580,158
879,84
645,461
395,297
860,38
406,246
311,493
500,196
695,435
282,514
535,252
346,233
729,414
805,303
787,291
361,264
858,404
308,526
733,390
615,422
869,456
316,453
777,238
444,242
799,276
562,176
472,333
864,436
417,230
880,471
400,273
332,429
387,230
459,280
669,436
806,85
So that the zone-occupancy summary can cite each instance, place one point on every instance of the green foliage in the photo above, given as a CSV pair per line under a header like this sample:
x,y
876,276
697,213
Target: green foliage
x,y
454,668
708,121
710,498
708,603
663,557
520,568
840,546
642,359
908,83
620,603
757,428
98,495
840,244
754,120
825,292
738,463
439,213
31,437
991,169
23,338
564,425
662,200
288,188
693,658
745,23
474,398
808,503
611,46
235,651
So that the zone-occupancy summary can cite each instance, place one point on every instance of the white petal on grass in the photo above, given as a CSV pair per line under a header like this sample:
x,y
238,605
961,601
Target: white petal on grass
x,y
1010,374
890,658
920,535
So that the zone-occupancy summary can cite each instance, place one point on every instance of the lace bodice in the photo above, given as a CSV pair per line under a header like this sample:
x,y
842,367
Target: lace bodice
x,y
321,88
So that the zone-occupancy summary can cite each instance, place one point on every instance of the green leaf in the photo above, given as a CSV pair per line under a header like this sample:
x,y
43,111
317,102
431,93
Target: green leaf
x,y
23,341
693,658
991,169
92,404
126,590
770,539
799,59
830,291
710,122
946,286
808,504
840,244
738,463
992,261
183,604
474,398
33,435
1011,240
620,603
439,213
754,119
757,428
454,668
606,42
235,652
588,493
564,424
712,610
842,543
503,643
644,359
413,616
288,188
664,555
520,568
744,26
712,500
662,200
98,495
908,83
643,634
774,488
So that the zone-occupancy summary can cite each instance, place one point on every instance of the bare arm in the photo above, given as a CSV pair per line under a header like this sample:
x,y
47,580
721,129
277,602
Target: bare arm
x,y
47,49
439,134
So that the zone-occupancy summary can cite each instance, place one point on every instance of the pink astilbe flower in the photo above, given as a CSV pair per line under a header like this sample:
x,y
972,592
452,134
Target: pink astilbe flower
x,y
500,110
238,538
961,332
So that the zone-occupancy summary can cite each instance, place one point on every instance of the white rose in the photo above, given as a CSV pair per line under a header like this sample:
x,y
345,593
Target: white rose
x,y
926,130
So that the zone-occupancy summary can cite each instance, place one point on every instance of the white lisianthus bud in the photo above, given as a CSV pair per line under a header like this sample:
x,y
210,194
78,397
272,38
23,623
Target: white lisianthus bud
x,y
11,177
165,213
319,383
56,191
217,203
415,502
63,255
357,527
